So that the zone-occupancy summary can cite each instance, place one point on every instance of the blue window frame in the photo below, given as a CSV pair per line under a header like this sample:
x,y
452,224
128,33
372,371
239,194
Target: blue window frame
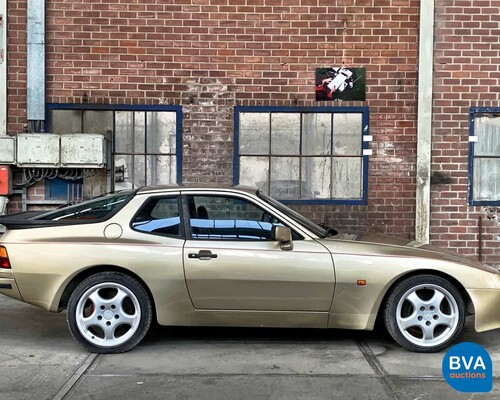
x,y
146,140
303,155
484,156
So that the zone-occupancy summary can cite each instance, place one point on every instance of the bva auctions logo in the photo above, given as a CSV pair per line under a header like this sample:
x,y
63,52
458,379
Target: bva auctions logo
x,y
467,367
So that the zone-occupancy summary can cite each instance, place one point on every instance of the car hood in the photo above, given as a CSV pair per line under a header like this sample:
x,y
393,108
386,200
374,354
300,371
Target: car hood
x,y
370,243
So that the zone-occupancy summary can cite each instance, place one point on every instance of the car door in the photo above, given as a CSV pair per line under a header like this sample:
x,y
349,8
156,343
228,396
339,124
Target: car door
x,y
231,263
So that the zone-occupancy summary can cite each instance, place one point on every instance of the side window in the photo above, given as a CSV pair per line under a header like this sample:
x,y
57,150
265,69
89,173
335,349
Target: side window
x,y
228,218
159,216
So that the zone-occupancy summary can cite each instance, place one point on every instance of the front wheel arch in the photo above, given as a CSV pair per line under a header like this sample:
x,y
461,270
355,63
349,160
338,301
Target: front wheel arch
x,y
421,305
469,305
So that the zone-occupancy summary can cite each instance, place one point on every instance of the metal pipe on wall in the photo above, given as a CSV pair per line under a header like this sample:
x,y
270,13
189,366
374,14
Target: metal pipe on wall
x,y
424,121
480,239
3,204
36,65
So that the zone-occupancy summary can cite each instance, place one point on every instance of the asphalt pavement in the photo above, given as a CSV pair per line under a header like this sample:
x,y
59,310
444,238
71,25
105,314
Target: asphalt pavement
x,y
40,360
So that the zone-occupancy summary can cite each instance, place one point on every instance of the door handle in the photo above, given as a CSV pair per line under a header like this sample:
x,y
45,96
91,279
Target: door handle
x,y
203,255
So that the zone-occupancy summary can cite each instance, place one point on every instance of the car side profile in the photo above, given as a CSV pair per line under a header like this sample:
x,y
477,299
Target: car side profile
x,y
232,256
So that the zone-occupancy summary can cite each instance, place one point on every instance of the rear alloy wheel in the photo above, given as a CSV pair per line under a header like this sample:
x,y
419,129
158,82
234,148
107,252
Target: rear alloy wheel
x,y
109,312
424,313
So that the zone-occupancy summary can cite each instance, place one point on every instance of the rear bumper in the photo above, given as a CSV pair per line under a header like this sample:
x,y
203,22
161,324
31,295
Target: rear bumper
x,y
8,287
487,308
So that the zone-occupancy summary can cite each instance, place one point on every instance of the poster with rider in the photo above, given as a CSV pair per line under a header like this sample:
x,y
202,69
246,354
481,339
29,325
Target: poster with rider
x,y
340,83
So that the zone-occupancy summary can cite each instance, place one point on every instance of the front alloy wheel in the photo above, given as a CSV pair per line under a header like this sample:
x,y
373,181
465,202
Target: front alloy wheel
x,y
424,313
109,312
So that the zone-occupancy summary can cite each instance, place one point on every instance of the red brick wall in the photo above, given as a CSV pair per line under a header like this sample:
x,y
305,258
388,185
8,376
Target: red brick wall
x,y
16,62
467,74
210,55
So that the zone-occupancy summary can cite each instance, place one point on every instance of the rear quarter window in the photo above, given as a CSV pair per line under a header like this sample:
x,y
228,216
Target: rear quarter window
x,y
159,216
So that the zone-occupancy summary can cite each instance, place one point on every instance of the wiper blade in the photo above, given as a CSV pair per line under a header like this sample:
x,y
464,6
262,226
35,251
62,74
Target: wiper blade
x,y
329,230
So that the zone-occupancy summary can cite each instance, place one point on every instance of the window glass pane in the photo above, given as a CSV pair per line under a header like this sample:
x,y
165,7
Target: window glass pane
x,y
162,170
285,133
254,171
159,216
124,172
487,130
316,177
66,121
161,134
254,133
316,133
129,132
285,182
346,178
124,132
487,179
99,121
347,133
129,172
228,218
139,168
139,132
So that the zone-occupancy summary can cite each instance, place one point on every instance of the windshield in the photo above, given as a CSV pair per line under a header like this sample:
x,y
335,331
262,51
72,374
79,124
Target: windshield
x,y
99,208
316,229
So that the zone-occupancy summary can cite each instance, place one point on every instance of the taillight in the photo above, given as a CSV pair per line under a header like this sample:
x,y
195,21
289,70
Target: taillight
x,y
4,258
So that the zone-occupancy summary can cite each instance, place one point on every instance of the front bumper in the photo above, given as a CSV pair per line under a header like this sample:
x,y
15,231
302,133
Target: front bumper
x,y
487,308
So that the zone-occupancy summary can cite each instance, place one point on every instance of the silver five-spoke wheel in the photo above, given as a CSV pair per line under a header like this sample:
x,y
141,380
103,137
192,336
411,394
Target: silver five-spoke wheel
x,y
427,315
109,312
424,313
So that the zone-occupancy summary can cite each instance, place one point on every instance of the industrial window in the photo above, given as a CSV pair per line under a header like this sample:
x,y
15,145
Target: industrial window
x,y
484,156
303,155
145,141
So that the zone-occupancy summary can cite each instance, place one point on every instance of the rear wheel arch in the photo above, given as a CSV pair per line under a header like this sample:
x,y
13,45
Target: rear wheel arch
x,y
109,312
82,275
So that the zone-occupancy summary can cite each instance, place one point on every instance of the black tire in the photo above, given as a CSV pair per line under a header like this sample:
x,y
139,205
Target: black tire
x,y
406,319
109,304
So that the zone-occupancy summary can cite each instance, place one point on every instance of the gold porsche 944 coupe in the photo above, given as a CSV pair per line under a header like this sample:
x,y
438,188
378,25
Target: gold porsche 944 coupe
x,y
232,256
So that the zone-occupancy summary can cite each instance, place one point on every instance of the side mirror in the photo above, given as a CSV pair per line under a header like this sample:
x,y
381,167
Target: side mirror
x,y
282,234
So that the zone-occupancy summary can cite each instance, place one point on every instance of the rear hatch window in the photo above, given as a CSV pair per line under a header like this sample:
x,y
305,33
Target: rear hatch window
x,y
96,209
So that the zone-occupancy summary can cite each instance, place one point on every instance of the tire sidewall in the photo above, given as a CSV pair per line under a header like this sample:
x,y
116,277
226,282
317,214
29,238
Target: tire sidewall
x,y
390,312
118,278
